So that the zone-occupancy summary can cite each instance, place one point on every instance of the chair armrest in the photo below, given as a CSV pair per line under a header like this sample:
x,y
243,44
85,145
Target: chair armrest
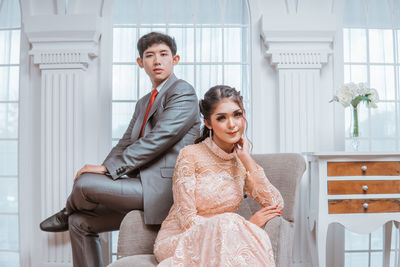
x,y
281,233
134,236
273,227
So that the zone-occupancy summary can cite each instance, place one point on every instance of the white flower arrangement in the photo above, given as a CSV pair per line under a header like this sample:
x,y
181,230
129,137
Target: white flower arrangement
x,y
352,94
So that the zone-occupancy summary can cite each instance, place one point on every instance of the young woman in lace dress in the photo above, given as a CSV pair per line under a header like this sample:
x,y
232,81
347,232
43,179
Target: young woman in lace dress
x,y
202,228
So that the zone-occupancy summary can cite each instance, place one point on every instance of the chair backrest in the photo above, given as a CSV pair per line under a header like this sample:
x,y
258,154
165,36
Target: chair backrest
x,y
284,171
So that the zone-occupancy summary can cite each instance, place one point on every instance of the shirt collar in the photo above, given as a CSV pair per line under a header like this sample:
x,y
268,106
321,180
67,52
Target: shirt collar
x,y
162,84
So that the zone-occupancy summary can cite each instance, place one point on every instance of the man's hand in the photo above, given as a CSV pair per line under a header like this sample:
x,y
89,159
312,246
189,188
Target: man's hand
x,y
100,169
261,217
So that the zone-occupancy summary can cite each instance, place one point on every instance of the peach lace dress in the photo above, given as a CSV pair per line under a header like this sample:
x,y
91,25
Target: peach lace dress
x,y
201,228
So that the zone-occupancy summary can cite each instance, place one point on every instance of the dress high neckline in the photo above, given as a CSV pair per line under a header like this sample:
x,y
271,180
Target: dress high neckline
x,y
217,150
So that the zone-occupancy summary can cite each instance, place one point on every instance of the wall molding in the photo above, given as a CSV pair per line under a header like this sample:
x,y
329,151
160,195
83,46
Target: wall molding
x,y
63,42
297,51
298,59
63,58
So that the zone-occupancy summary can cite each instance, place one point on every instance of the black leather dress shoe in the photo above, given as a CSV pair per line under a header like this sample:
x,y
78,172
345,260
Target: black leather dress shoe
x,y
56,223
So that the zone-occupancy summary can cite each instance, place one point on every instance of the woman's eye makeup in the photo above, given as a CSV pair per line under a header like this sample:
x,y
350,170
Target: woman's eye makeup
x,y
235,114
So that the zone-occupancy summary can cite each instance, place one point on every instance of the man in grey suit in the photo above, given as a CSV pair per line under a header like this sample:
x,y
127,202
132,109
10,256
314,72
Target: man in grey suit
x,y
137,172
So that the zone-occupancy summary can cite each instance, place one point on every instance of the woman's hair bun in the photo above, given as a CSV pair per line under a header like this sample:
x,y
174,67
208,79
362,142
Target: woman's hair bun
x,y
201,103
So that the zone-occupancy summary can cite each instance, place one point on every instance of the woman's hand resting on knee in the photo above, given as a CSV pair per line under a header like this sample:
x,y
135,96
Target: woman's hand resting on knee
x,y
100,169
261,217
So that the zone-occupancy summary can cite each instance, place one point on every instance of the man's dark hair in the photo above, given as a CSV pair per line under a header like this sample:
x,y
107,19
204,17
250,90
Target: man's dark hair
x,y
149,39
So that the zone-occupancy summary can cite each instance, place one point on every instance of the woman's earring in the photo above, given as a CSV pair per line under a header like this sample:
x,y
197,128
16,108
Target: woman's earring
x,y
210,131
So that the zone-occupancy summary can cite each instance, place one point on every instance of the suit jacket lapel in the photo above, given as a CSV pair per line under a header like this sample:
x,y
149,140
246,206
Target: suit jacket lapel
x,y
163,90
138,124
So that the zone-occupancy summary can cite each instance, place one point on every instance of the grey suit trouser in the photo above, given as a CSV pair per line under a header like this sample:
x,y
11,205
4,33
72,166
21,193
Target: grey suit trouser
x,y
98,204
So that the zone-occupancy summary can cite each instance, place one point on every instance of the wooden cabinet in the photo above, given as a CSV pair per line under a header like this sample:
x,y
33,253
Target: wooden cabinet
x,y
361,191
364,168
363,187
369,205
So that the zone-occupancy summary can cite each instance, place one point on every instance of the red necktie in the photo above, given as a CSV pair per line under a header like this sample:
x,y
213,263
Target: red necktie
x,y
152,98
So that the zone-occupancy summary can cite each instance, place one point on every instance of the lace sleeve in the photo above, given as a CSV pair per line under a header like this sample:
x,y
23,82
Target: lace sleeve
x,y
260,189
184,183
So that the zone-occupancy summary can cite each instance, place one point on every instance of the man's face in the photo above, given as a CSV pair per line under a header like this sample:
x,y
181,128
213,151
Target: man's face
x,y
158,62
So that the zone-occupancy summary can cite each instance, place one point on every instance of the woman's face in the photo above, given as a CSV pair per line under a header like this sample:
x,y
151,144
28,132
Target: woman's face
x,y
227,122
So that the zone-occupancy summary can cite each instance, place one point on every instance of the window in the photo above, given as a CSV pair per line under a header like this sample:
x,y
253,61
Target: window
x,y
371,37
372,54
364,250
212,39
9,101
395,248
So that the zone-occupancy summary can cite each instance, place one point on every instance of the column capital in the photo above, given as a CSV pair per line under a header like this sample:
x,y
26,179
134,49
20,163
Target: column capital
x,y
63,41
298,49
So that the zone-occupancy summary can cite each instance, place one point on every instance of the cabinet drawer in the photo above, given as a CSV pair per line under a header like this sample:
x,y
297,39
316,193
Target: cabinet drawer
x,y
339,206
364,187
357,168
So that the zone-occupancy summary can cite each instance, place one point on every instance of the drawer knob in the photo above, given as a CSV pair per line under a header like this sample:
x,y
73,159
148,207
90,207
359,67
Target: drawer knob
x,y
365,205
365,187
364,168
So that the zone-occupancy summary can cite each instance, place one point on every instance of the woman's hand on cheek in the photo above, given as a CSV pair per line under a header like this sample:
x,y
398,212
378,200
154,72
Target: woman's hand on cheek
x,y
242,147
261,217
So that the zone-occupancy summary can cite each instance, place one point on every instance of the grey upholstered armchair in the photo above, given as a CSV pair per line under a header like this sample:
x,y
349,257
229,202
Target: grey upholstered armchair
x,y
135,242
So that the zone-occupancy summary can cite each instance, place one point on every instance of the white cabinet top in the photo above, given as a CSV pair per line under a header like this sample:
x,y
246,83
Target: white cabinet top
x,y
351,154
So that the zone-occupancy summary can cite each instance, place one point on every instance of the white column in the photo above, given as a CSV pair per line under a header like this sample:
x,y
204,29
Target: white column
x,y
62,48
299,61
298,107
299,58
61,150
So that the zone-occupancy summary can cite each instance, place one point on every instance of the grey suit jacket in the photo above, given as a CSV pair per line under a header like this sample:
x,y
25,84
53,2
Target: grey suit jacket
x,y
173,122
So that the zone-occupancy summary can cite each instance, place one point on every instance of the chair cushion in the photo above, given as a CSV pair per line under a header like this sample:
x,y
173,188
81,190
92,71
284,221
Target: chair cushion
x,y
136,238
144,260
